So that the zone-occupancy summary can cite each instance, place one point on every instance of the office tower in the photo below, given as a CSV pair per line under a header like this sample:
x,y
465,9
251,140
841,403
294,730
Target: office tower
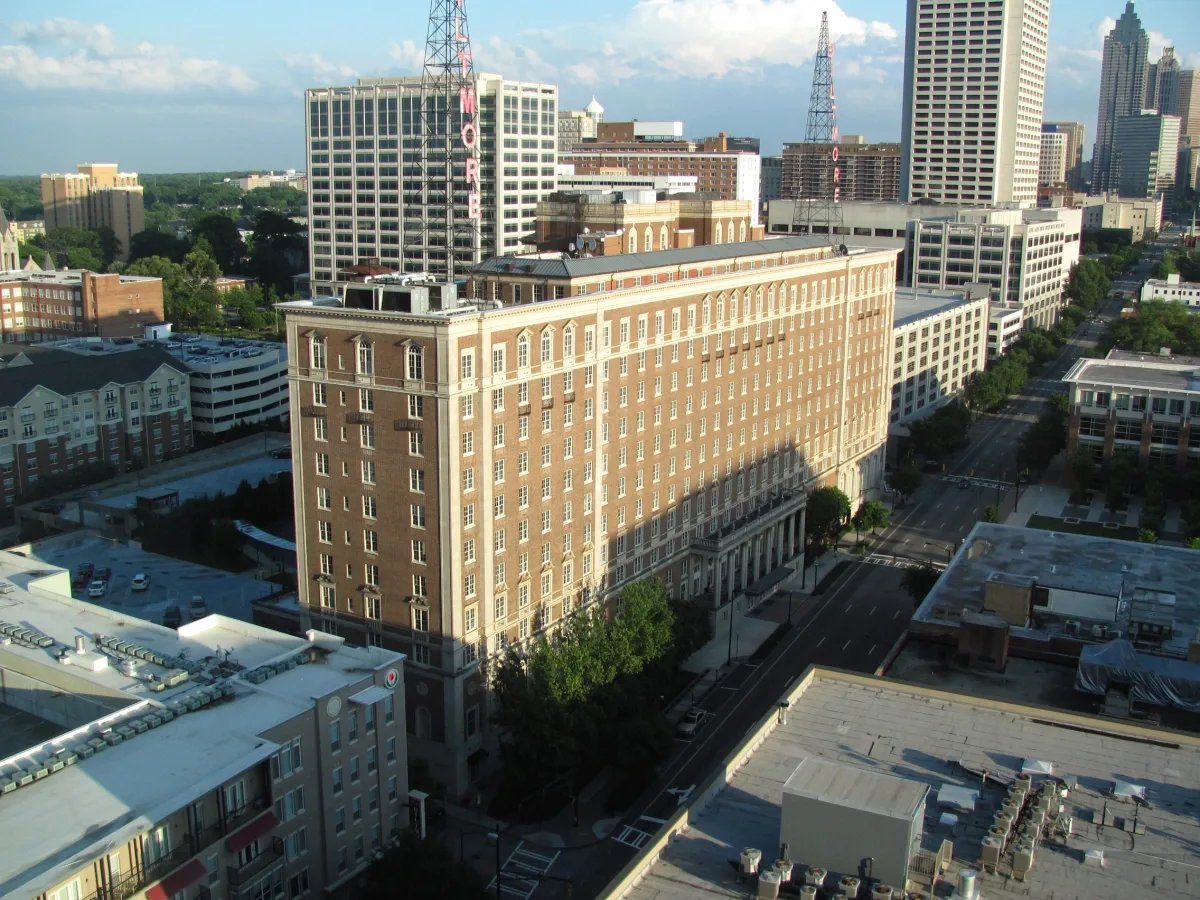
x,y
365,208
1122,92
578,125
1187,104
1052,165
467,476
771,184
975,75
96,195
1146,148
1073,152
869,172
1162,83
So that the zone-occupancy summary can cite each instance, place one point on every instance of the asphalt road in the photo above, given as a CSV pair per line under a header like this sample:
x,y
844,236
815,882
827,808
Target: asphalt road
x,y
853,624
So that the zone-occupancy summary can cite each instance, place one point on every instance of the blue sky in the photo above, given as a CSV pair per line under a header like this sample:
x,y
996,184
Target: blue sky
x,y
169,87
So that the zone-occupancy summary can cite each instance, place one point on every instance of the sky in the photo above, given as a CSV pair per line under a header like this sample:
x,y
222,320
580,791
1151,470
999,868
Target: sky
x,y
218,85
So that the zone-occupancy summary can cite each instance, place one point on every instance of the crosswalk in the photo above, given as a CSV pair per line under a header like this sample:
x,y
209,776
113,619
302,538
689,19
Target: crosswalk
x,y
637,837
900,562
990,483
521,873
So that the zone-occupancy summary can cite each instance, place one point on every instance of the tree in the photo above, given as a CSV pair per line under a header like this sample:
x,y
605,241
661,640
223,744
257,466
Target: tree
x,y
871,516
918,581
1194,543
1083,468
157,243
426,868
277,251
1118,475
905,480
990,514
224,241
1147,536
828,510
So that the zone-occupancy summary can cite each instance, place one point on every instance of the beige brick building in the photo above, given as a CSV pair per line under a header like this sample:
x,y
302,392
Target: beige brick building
x,y
467,474
95,195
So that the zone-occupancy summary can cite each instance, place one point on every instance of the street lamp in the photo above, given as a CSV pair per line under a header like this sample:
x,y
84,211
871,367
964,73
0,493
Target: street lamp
x,y
949,548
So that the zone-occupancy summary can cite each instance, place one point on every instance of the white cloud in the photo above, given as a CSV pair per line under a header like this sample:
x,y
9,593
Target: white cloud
x,y
69,54
410,57
317,67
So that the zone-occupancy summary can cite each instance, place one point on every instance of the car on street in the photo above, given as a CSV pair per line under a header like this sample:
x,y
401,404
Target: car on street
x,y
281,453
691,722
98,588
173,617
197,609
963,483
140,582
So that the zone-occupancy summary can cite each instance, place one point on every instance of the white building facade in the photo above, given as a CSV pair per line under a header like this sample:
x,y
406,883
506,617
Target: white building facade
x,y
974,79
1052,164
1172,290
1006,321
939,339
362,148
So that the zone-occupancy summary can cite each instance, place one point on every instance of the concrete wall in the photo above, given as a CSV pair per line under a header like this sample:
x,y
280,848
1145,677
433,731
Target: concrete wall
x,y
54,695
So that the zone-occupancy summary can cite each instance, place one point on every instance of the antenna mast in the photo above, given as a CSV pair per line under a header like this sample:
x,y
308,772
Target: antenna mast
x,y
451,206
819,205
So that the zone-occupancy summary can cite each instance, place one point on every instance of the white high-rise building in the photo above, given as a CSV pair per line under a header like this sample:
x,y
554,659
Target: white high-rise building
x,y
363,147
975,76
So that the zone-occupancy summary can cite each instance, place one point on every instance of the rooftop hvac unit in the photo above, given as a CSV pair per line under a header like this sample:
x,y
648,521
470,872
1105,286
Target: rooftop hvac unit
x,y
1022,859
750,859
815,876
784,868
768,885
808,892
967,888
848,885
127,667
881,891
991,852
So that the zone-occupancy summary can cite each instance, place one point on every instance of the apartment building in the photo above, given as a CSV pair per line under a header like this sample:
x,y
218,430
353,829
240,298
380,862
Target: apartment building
x,y
39,305
731,174
602,224
219,760
578,125
1006,321
1024,255
974,82
60,411
869,172
1073,151
95,195
1052,163
364,204
1172,289
1137,403
1131,214
232,381
467,474
939,340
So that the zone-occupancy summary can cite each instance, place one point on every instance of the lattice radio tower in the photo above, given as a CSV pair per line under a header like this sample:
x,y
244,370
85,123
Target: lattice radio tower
x,y
451,206
818,206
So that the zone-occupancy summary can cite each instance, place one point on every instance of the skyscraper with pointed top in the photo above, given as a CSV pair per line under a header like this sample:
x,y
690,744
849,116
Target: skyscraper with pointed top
x,y
1122,93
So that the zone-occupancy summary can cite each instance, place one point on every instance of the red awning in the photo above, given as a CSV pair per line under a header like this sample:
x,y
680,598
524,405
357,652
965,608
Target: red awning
x,y
191,872
260,827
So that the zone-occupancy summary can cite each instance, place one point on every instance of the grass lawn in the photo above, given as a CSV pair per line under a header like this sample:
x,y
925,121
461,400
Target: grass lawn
x,y
1095,529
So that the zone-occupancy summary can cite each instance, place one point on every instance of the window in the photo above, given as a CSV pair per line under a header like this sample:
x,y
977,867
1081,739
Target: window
x,y
317,351
366,358
417,515
416,406
368,471
498,360
420,618
156,844
370,541
466,365
416,363
547,350
369,507
335,736
286,760
523,352
416,480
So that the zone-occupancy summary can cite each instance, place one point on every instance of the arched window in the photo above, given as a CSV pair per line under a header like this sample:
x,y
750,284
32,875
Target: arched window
x,y
632,243
416,362
366,357
547,346
648,240
421,724
705,312
318,351
720,311
742,230
569,342
717,233
733,307
523,352
662,238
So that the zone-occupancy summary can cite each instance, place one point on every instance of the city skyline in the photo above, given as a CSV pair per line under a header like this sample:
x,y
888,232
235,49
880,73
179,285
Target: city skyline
x,y
173,90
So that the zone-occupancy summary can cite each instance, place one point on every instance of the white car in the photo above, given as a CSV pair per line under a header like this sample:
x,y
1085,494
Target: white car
x,y
97,588
140,582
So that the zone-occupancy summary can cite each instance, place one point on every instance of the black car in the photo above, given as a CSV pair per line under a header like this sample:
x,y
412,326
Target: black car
x,y
281,453
173,617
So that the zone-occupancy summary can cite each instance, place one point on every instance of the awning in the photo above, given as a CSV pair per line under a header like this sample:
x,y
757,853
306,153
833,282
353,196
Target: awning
x,y
370,696
260,827
191,872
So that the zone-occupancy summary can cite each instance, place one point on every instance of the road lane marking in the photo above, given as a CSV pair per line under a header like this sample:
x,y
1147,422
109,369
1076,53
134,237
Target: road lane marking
x,y
896,615
820,642
871,652
845,645
873,608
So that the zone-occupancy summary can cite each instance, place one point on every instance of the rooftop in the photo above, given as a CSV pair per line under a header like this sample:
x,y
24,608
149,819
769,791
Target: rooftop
x,y
1138,370
64,276
933,738
1075,564
149,717
195,351
914,304
28,366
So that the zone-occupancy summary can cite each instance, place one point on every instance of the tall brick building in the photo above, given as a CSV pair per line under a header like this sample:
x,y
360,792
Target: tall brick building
x,y
468,474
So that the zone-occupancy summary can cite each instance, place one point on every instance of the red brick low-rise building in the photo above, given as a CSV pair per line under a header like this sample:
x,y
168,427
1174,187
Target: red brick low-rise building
x,y
46,305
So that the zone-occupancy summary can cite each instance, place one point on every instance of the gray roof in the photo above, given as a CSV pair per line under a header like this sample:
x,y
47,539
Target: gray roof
x,y
628,262
913,304
1138,370
69,373
837,783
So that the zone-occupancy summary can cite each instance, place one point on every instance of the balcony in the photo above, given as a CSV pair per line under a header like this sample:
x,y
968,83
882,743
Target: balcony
x,y
312,412
241,876
360,418
150,872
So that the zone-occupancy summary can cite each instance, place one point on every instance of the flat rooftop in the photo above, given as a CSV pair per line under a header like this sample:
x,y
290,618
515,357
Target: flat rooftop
x,y
148,718
914,304
934,738
1013,555
64,276
1138,370
198,351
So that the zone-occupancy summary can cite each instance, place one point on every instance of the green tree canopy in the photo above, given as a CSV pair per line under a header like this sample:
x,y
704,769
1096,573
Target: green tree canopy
x,y
919,581
905,480
871,516
157,243
224,241
827,513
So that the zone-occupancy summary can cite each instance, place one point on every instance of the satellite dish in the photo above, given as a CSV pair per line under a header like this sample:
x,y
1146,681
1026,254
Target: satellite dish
x,y
571,247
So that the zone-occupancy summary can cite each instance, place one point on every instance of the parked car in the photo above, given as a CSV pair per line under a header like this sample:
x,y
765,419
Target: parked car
x,y
104,573
691,722
82,576
140,582
173,617
197,609
281,453
98,588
